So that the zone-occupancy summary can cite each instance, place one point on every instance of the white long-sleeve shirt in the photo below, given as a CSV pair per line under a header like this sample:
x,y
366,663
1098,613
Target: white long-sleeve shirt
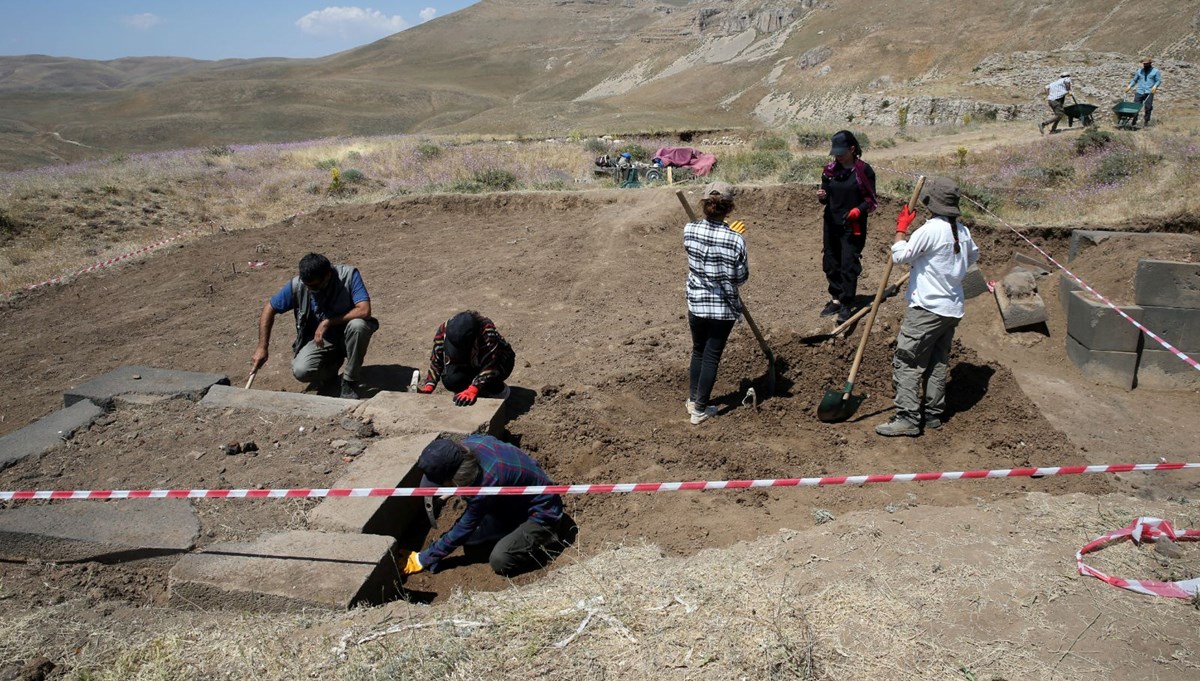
x,y
937,271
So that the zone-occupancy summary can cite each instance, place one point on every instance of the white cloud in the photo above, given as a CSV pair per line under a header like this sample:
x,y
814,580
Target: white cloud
x,y
142,22
351,22
428,13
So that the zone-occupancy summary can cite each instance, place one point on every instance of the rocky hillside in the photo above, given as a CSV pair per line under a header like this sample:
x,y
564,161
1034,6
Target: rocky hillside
x,y
553,66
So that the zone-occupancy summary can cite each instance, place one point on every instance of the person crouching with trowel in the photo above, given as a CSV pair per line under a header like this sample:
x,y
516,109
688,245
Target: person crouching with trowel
x,y
514,534
470,358
940,251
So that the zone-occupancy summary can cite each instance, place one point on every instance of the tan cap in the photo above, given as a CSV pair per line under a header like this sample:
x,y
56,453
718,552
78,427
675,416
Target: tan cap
x,y
720,190
1147,60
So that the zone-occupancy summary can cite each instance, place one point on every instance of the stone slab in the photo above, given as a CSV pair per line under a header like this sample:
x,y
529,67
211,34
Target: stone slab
x,y
104,531
1102,366
46,433
1178,326
1162,370
1066,286
1038,265
1083,239
1096,326
1018,313
405,412
390,462
293,404
134,380
1163,283
288,572
974,282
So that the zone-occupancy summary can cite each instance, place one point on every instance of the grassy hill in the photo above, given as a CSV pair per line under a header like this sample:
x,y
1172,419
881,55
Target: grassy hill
x,y
546,66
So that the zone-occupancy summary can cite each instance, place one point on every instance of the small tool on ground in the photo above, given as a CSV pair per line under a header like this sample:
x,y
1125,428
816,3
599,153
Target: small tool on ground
x,y
845,326
758,336
250,381
839,405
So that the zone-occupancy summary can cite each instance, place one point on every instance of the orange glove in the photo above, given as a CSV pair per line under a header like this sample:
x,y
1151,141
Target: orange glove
x,y
412,564
426,389
467,397
907,215
737,226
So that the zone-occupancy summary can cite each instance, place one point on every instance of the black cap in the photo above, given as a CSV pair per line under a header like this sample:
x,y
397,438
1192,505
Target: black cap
x,y
438,462
461,331
841,144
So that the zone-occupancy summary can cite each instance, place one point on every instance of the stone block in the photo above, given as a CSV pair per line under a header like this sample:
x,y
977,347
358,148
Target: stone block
x,y
293,404
1018,313
1083,239
974,282
1178,326
1097,326
46,433
390,462
404,412
134,380
1036,264
105,531
1066,285
1019,283
1162,283
1104,366
1163,370
289,571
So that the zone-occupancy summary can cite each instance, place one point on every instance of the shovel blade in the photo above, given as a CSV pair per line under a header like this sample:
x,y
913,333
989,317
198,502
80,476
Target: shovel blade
x,y
838,405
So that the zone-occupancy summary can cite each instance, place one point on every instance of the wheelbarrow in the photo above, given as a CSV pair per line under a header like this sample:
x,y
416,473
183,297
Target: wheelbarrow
x,y
1127,113
1081,112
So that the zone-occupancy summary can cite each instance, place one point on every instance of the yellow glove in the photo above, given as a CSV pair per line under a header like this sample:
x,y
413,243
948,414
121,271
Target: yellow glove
x,y
412,565
1129,89
1154,89
737,226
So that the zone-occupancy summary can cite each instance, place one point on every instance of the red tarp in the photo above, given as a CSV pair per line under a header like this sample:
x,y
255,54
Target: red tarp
x,y
686,157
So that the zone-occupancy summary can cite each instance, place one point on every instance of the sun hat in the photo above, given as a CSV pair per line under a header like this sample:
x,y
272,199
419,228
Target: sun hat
x,y
1147,60
940,195
1065,74
721,190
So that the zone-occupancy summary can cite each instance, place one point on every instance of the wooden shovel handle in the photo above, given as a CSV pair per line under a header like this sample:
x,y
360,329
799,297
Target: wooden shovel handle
x,y
887,274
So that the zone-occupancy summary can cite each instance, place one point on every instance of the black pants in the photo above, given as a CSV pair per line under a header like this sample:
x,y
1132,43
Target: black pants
x,y
528,546
708,343
456,377
841,260
1146,99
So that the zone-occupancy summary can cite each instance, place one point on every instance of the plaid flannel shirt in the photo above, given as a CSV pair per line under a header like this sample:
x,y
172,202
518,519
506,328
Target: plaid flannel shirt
x,y
501,464
717,265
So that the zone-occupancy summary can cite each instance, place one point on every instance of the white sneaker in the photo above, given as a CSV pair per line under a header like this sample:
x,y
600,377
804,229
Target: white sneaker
x,y
699,417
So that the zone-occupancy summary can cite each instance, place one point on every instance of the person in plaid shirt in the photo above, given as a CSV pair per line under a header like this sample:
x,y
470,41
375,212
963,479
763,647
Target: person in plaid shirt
x,y
470,358
515,533
717,265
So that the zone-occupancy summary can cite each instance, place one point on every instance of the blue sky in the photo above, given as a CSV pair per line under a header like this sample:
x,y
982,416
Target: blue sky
x,y
205,29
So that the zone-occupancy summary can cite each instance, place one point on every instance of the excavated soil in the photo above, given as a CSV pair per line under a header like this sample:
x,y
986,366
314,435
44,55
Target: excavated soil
x,y
589,290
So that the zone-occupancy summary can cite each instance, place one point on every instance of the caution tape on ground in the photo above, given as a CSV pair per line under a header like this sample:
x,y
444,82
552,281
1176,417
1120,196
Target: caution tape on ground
x,y
1192,362
1139,531
309,493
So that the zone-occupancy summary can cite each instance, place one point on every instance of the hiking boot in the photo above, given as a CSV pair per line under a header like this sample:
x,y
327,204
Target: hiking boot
x,y
1041,128
698,416
830,308
352,390
845,313
897,426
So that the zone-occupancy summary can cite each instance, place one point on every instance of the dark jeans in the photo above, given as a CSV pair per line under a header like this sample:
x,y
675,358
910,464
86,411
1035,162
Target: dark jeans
x,y
529,546
841,260
708,343
1146,99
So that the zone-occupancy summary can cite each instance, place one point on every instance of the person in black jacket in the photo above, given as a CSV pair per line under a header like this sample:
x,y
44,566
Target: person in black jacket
x,y
848,192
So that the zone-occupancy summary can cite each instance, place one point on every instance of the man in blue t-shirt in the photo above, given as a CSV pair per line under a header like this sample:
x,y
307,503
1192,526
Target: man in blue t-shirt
x,y
333,323
1144,84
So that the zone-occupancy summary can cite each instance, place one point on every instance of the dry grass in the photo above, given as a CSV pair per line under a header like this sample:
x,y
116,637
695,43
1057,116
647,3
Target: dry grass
x,y
986,593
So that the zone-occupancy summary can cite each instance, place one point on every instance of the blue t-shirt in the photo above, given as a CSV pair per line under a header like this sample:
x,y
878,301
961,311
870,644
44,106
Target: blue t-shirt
x,y
283,300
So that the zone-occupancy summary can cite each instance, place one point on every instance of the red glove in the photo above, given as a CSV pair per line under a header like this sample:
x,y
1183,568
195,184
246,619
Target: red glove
x,y
426,389
854,214
852,221
467,397
907,215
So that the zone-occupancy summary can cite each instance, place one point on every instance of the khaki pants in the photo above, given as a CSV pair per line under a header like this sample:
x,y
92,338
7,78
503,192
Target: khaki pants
x,y
318,365
922,361
1056,107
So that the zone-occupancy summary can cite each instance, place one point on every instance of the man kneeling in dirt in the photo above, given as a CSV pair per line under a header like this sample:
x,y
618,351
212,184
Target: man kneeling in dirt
x,y
515,534
333,324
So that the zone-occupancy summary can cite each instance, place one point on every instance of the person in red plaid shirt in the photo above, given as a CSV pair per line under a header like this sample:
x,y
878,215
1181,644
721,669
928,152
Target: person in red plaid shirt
x,y
470,358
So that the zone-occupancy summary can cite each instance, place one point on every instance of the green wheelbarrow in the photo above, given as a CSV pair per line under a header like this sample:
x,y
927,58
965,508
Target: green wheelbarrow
x,y
1127,113
1079,112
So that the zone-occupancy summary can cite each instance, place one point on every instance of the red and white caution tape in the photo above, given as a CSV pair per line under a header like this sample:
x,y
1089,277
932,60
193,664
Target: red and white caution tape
x,y
99,265
1138,531
587,489
1170,348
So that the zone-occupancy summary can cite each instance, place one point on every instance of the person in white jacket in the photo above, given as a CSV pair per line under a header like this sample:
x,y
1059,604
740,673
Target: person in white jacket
x,y
939,251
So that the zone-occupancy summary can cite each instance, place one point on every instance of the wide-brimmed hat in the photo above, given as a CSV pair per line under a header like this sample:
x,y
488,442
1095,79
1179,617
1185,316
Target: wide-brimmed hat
x,y
1065,74
940,195
1147,60
718,190
840,144
438,462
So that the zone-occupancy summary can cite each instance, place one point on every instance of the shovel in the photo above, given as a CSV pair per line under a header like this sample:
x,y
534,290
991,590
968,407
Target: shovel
x,y
758,336
839,405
